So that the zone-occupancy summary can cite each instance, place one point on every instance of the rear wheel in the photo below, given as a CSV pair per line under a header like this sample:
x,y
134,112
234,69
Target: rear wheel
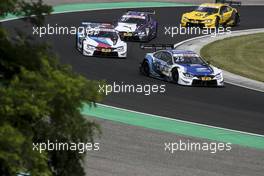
x,y
236,19
145,68
175,75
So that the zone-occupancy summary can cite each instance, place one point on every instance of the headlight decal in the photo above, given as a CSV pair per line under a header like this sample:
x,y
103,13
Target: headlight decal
x,y
219,76
188,75
90,47
120,48
208,21
185,19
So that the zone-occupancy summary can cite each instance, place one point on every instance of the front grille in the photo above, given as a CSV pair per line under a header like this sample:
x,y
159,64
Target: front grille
x,y
201,82
102,48
200,25
204,83
106,54
195,21
200,76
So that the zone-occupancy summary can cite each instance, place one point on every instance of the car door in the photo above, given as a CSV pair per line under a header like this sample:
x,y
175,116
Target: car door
x,y
163,60
226,13
157,61
166,63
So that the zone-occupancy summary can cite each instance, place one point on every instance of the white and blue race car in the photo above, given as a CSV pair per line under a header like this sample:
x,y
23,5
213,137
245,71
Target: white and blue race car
x,y
182,67
100,39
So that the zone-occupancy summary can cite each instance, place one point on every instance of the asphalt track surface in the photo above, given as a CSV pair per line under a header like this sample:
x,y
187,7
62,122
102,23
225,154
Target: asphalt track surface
x,y
230,107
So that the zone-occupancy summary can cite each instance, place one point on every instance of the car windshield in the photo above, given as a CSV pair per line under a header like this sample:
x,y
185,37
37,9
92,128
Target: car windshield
x,y
126,19
103,34
210,10
188,60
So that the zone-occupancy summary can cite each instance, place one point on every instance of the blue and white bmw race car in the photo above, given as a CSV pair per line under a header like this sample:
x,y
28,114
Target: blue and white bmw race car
x,y
100,39
182,67
139,26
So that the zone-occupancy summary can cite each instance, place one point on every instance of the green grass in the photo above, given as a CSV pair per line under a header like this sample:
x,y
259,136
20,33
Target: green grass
x,y
242,55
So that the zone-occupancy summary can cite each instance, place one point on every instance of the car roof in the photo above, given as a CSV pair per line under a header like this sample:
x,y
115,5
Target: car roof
x,y
136,14
214,5
98,25
177,51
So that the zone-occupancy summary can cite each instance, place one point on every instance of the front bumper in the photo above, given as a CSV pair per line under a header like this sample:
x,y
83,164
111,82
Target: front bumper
x,y
209,81
198,23
105,52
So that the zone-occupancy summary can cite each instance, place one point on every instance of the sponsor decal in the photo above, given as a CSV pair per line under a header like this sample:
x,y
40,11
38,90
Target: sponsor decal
x,y
101,42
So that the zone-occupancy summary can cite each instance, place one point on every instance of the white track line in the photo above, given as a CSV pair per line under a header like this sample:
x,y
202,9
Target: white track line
x,y
258,30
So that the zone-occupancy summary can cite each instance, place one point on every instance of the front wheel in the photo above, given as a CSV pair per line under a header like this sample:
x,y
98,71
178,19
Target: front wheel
x,y
82,49
175,75
217,22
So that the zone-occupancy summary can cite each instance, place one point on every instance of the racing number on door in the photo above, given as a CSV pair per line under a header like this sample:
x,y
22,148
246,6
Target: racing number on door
x,y
156,61
157,65
160,63
167,60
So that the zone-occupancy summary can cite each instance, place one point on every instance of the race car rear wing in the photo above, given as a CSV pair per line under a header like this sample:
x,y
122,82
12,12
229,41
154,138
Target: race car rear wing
x,y
156,47
231,3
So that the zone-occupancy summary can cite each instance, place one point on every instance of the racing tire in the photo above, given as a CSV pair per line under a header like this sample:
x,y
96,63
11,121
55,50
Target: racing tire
x,y
155,32
236,20
82,49
175,75
145,68
77,46
217,23
76,43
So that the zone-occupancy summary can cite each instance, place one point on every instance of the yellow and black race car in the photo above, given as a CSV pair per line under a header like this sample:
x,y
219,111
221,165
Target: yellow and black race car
x,y
211,15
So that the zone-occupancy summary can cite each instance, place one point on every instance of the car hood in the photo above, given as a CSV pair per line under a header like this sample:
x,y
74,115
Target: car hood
x,y
198,15
102,42
127,27
198,69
